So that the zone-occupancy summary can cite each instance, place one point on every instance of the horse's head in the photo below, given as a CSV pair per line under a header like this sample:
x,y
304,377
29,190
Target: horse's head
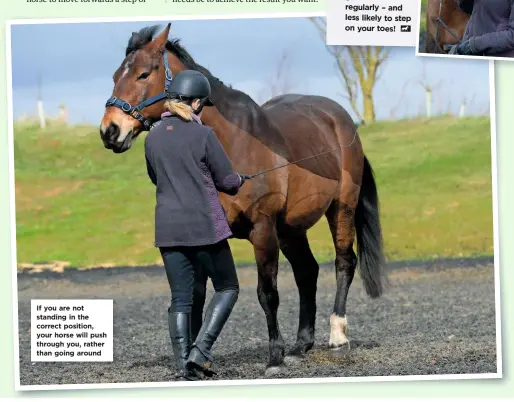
x,y
138,91
445,24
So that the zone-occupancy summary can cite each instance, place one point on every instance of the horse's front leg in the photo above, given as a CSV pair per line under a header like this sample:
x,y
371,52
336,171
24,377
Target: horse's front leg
x,y
265,242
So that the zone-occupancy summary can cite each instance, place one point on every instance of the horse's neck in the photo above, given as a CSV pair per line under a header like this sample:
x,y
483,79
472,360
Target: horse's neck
x,y
235,119
449,8
227,133
453,16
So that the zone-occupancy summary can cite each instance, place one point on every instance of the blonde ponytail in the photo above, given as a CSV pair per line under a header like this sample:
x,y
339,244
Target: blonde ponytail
x,y
181,109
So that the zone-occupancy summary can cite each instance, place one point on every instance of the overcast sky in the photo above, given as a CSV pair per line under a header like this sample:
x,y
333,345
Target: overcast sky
x,y
76,62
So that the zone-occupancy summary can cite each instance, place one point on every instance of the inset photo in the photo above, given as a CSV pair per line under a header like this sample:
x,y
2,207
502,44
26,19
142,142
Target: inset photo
x,y
466,28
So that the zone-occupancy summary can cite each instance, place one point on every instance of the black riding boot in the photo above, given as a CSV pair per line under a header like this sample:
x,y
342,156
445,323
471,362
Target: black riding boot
x,y
219,310
197,313
180,333
196,323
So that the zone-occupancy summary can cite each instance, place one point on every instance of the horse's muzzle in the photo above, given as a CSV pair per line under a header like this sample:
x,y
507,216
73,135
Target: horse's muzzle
x,y
110,138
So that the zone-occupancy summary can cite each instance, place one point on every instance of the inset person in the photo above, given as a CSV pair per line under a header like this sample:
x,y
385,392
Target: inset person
x,y
490,29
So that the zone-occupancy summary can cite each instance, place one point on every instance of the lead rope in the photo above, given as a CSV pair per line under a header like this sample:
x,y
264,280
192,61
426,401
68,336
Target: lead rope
x,y
304,159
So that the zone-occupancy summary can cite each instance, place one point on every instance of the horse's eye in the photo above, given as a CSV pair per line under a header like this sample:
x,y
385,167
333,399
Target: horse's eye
x,y
142,76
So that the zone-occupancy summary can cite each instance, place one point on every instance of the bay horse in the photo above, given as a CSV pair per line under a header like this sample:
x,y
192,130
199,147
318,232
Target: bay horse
x,y
274,211
446,24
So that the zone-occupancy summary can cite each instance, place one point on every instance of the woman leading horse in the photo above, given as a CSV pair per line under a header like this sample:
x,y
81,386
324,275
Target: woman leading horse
x,y
272,211
188,165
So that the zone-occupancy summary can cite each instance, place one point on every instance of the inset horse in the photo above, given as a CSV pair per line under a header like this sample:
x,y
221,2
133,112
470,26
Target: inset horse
x,y
272,211
446,24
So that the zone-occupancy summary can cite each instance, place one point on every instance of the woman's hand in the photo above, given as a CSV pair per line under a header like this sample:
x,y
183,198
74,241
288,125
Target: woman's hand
x,y
453,49
464,48
244,177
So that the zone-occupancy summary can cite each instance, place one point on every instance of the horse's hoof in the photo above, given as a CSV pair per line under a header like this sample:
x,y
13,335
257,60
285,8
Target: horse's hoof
x,y
298,353
340,350
293,359
273,371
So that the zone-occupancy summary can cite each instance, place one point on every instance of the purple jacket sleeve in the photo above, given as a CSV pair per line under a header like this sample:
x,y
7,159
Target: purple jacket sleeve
x,y
220,166
496,42
466,5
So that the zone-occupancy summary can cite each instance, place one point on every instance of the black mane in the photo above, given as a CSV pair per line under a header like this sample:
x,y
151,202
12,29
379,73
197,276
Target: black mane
x,y
139,39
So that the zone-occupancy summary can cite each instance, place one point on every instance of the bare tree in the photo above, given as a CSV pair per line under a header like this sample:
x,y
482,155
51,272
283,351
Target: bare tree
x,y
420,110
393,110
466,101
486,110
281,81
449,108
429,89
442,104
359,68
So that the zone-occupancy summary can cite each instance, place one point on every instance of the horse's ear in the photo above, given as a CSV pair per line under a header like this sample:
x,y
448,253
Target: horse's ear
x,y
159,43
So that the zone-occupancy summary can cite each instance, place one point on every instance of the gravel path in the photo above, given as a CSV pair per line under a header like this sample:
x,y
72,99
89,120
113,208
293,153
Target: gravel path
x,y
436,318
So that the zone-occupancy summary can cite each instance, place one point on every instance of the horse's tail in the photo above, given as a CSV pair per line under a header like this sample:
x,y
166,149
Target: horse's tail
x,y
369,235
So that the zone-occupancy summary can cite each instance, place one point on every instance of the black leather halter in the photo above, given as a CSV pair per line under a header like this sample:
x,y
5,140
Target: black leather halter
x,y
135,111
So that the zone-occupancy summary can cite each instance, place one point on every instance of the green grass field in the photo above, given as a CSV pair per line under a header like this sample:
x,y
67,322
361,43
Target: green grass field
x,y
80,203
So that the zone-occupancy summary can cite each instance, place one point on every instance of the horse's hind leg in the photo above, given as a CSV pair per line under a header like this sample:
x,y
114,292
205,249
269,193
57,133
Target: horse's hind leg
x,y
340,218
305,269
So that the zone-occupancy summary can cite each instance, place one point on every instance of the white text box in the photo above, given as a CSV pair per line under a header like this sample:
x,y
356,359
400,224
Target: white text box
x,y
372,22
71,330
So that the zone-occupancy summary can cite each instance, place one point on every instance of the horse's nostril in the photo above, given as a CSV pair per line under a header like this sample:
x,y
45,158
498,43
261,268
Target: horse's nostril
x,y
112,132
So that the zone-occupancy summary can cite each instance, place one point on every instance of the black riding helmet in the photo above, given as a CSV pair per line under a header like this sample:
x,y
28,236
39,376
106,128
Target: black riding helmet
x,y
190,84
